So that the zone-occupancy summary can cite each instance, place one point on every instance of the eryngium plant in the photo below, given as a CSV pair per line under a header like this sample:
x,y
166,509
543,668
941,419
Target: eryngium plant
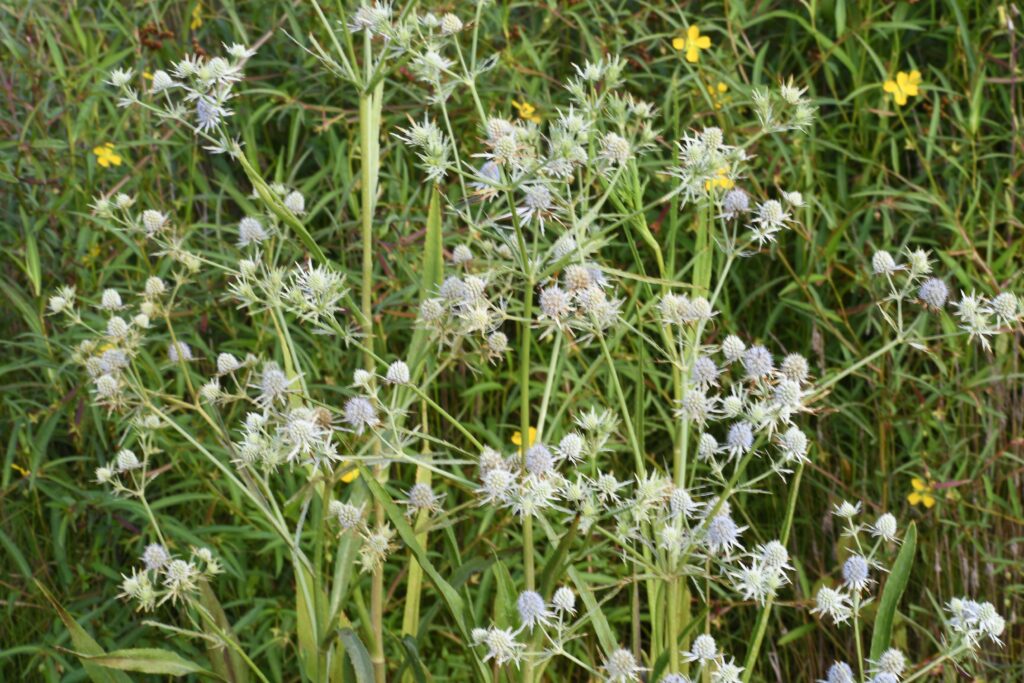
x,y
370,479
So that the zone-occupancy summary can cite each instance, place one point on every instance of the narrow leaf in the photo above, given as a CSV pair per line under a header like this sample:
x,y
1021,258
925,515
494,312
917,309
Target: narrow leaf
x,y
84,644
359,655
150,661
893,591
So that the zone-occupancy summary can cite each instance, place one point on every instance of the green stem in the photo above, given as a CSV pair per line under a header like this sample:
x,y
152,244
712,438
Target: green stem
x,y
762,618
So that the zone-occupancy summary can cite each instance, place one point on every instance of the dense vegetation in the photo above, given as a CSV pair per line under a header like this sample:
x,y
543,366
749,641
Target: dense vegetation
x,y
361,161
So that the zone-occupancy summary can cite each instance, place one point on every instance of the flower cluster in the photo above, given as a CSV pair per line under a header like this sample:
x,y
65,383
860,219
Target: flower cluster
x,y
165,577
979,316
859,568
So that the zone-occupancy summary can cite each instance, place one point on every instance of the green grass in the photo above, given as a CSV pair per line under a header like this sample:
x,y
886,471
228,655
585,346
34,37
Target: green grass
x,y
941,173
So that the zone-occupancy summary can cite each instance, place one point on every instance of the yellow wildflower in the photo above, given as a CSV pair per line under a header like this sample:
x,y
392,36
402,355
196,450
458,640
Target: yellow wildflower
x,y
905,85
527,111
351,475
693,43
720,181
517,438
197,16
923,493
106,156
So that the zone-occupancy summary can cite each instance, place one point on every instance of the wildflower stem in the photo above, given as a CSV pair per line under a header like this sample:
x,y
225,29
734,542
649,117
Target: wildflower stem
x,y
617,388
766,611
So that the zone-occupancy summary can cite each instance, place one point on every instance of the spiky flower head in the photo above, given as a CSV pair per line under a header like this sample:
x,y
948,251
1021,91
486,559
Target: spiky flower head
x,y
621,667
933,293
532,610
360,414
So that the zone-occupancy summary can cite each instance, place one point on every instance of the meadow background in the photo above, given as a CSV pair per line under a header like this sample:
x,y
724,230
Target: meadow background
x,y
942,173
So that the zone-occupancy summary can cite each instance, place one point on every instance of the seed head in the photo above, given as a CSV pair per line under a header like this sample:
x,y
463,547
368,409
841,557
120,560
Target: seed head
x,y
360,414
883,263
532,610
757,362
250,231
933,293
398,373
126,461
155,556
621,667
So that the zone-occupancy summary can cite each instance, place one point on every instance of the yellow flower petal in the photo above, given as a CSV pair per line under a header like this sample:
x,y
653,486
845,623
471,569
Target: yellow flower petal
x,y
929,501
704,42
679,43
918,484
692,54
351,475
722,87
517,438
914,498
693,33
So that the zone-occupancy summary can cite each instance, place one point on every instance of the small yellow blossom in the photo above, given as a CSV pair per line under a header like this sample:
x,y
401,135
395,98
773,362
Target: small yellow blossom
x,y
905,85
106,156
720,181
517,438
693,43
351,475
148,76
197,16
527,111
923,493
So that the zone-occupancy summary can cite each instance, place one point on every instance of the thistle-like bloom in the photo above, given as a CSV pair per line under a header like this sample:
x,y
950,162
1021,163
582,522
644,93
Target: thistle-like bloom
x,y
501,645
422,498
771,218
722,534
621,667
155,556
398,373
564,601
892,661
532,610
360,414
757,362
832,603
933,293
885,527
840,672
883,263
250,231
856,573
703,649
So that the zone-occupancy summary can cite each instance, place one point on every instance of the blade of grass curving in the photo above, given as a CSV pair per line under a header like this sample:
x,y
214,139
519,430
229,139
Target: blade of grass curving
x,y
359,655
150,661
85,646
893,591
225,660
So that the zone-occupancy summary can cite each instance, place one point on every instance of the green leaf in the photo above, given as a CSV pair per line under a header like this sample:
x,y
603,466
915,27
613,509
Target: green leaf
x,y
893,591
84,644
225,661
359,655
150,660
431,274
554,567
412,658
